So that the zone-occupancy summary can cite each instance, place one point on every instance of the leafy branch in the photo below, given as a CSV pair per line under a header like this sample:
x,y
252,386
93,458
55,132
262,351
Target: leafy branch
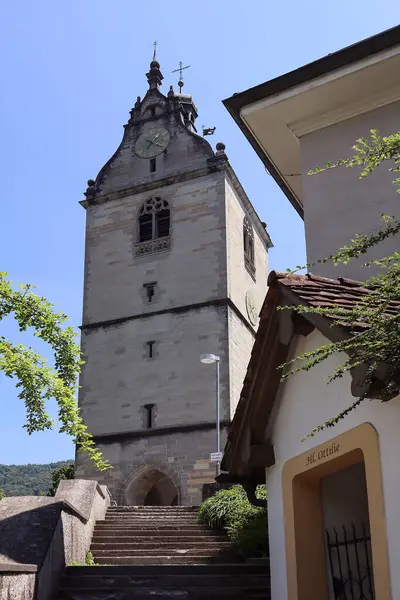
x,y
37,382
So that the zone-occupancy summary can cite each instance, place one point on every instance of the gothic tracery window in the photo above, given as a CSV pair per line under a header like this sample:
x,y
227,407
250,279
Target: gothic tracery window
x,y
153,226
248,246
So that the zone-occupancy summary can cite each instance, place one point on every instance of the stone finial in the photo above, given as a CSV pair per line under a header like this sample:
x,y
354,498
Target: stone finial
x,y
220,148
154,76
91,189
171,92
138,103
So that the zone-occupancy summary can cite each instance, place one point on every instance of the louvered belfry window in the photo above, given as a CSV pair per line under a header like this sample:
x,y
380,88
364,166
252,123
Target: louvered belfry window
x,y
248,246
154,219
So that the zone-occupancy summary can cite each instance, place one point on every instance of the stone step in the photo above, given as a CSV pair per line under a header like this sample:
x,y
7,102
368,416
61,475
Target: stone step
x,y
156,538
167,581
134,517
143,593
151,511
177,550
101,526
150,514
162,526
155,508
238,568
161,545
164,560
136,521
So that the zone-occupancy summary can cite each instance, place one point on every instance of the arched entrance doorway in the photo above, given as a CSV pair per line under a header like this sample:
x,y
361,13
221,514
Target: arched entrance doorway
x,y
151,487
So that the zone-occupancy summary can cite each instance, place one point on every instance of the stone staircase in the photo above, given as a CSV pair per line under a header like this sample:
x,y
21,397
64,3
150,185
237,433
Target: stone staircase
x,y
162,552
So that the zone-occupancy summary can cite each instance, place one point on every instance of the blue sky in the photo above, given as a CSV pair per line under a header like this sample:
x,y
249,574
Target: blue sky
x,y
71,71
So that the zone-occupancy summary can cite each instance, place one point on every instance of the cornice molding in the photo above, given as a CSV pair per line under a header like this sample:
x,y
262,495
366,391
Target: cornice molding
x,y
344,112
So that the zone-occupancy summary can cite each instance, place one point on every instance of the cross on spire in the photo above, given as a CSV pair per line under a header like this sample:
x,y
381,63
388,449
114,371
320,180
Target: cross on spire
x,y
155,44
180,69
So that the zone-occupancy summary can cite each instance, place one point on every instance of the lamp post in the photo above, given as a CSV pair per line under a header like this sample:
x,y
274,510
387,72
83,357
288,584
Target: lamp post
x,y
208,359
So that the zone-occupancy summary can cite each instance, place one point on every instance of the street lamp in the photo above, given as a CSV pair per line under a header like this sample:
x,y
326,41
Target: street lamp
x,y
208,359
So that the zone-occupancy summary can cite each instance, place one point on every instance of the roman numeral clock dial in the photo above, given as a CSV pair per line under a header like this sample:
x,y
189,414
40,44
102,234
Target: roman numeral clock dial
x,y
152,142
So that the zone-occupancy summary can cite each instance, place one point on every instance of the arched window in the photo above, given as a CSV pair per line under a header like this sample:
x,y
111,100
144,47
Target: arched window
x,y
154,219
153,227
248,246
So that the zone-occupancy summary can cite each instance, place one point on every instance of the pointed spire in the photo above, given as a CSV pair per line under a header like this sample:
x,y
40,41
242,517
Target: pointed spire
x,y
154,76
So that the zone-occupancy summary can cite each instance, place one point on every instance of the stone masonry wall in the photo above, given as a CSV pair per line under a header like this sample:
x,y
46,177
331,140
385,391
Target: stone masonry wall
x,y
119,377
241,342
183,457
239,279
192,271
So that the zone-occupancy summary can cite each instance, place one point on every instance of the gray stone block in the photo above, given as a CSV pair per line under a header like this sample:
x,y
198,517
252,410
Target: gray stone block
x,y
78,494
26,527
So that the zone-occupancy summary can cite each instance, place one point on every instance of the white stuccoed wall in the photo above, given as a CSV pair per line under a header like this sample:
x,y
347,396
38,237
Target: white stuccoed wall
x,y
305,402
337,204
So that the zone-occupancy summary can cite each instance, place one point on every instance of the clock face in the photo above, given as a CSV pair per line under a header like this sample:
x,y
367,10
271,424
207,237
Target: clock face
x,y
251,308
152,143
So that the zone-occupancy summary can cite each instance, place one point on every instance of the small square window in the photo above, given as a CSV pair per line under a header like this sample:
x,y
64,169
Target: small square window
x,y
150,349
149,416
149,290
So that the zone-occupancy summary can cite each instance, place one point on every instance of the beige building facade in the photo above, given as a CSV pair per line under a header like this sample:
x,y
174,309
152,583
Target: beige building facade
x,y
332,495
176,265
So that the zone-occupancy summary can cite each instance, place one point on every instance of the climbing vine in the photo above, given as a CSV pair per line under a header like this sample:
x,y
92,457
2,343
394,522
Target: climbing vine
x,y
374,333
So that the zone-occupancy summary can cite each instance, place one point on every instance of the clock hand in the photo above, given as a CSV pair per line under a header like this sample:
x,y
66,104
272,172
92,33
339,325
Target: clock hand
x,y
152,142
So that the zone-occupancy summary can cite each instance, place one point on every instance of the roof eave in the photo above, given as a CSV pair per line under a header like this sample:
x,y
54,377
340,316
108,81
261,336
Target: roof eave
x,y
327,64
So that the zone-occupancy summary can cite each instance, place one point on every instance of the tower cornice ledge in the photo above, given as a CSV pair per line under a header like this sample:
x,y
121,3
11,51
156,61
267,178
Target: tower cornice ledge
x,y
176,309
148,185
112,438
217,164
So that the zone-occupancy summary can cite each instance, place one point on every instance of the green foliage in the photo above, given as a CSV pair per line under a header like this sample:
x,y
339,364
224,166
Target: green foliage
x,y
245,524
374,334
64,472
2,494
28,480
36,381
89,561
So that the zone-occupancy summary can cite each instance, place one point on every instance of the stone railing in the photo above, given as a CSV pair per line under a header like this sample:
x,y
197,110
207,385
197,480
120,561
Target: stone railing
x,y
152,246
40,536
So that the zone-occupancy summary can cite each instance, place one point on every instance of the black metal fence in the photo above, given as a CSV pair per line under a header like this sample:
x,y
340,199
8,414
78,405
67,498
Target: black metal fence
x,y
350,561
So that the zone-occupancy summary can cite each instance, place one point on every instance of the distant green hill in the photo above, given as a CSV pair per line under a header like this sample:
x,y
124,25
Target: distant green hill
x,y
27,480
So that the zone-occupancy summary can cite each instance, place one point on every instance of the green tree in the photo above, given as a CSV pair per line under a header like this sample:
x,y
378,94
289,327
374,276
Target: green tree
x,y
64,472
37,381
376,344
2,494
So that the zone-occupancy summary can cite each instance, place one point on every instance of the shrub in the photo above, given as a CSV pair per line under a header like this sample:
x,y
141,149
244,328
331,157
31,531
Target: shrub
x,y
64,472
245,524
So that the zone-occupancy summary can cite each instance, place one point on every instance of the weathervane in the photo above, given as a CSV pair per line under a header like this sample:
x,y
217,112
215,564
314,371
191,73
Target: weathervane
x,y
155,50
180,69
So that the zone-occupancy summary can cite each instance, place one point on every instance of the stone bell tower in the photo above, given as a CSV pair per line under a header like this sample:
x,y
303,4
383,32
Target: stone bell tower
x,y
176,265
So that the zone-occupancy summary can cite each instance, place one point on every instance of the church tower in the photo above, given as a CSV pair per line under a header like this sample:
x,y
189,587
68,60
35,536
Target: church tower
x,y
176,265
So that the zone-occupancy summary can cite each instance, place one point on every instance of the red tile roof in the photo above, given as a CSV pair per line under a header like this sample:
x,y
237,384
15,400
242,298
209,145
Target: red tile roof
x,y
312,290
257,398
